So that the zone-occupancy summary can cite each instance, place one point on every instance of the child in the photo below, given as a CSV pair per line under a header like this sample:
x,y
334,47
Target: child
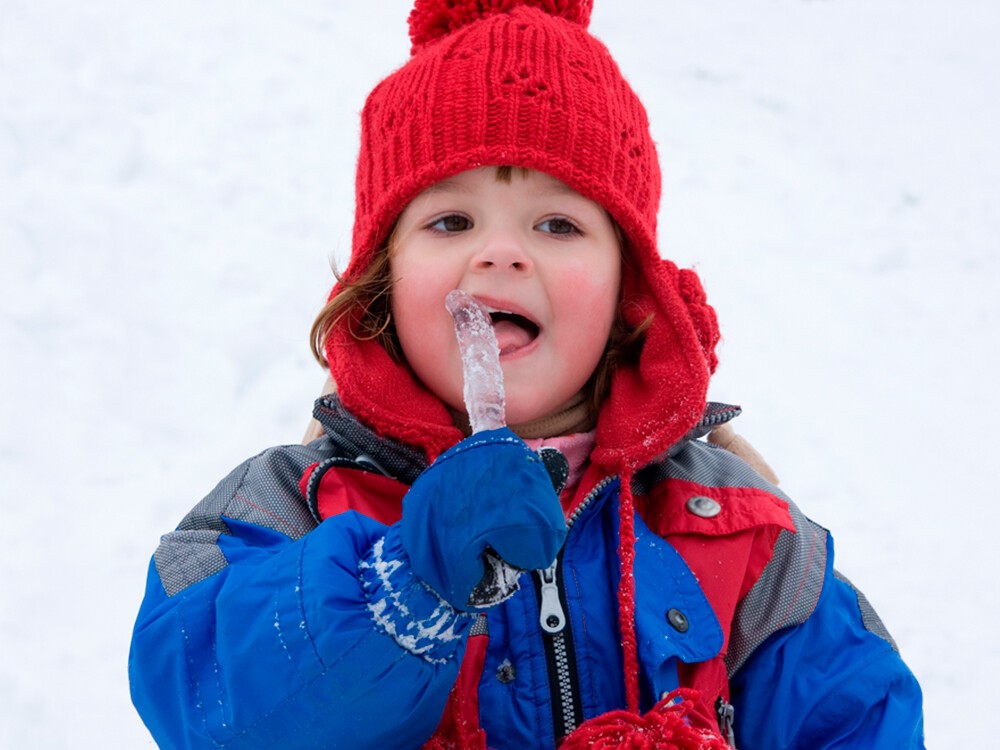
x,y
593,576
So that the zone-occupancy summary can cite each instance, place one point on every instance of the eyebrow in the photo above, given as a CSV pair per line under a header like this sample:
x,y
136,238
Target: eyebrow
x,y
445,186
449,185
561,187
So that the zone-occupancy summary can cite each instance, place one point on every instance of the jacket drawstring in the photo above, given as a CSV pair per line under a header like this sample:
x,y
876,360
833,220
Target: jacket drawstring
x,y
626,591
665,726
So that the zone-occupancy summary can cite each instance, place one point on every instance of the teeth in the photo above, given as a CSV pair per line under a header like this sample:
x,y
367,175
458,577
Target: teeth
x,y
492,310
497,314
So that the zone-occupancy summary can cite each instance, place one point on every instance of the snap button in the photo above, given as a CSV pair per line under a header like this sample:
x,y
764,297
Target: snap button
x,y
678,620
702,506
506,672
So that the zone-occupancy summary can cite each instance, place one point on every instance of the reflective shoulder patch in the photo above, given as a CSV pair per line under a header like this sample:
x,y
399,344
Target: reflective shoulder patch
x,y
263,491
787,591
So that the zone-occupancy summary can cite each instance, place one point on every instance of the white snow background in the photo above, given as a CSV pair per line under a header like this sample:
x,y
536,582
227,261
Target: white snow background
x,y
175,177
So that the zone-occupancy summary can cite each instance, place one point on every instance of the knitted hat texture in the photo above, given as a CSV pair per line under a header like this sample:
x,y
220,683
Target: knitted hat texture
x,y
504,82
523,83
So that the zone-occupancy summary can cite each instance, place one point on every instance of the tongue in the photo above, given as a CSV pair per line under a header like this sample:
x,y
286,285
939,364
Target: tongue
x,y
511,336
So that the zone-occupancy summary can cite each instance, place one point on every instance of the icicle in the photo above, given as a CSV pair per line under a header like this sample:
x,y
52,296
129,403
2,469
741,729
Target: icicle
x,y
483,393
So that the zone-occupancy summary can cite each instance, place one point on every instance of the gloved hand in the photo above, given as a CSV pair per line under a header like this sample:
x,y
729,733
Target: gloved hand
x,y
488,496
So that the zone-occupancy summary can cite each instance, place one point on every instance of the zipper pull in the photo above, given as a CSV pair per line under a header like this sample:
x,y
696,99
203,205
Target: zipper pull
x,y
551,615
726,715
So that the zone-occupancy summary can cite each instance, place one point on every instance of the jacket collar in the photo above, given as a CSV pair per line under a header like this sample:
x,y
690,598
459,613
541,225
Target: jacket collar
x,y
353,439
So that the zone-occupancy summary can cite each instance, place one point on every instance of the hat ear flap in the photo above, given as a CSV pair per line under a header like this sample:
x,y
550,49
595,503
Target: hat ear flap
x,y
706,324
680,299
654,402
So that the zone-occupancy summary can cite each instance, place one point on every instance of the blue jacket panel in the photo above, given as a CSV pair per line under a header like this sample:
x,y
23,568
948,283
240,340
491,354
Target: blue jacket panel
x,y
280,649
828,683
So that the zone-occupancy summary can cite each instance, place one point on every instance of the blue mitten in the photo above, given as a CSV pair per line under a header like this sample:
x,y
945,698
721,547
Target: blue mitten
x,y
483,511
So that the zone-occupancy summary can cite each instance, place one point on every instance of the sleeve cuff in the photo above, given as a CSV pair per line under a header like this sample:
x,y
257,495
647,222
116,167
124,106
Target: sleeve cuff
x,y
405,608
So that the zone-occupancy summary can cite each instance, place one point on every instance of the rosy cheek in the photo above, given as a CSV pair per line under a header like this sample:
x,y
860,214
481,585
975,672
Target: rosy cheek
x,y
427,339
592,295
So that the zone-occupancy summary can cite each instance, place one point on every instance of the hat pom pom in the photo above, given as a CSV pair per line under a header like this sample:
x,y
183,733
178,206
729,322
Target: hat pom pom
x,y
433,19
665,727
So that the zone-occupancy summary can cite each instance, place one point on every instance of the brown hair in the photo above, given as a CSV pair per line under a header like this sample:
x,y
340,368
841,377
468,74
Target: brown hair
x,y
365,303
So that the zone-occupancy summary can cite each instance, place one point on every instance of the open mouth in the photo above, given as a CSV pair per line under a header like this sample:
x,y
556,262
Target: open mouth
x,y
513,331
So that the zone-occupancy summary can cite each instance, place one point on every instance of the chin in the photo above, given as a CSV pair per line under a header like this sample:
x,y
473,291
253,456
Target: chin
x,y
520,413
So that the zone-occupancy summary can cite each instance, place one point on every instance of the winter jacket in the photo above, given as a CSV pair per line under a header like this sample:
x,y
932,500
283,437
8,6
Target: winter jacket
x,y
282,614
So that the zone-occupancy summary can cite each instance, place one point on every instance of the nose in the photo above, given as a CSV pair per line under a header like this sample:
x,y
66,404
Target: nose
x,y
502,250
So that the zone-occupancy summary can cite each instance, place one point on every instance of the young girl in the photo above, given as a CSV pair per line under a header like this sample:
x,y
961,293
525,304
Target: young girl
x,y
592,576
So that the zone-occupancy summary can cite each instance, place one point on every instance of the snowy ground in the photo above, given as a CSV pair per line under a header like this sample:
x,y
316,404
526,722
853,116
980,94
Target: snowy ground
x,y
175,177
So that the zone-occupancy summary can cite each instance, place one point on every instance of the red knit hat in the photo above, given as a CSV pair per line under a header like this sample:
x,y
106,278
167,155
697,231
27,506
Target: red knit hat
x,y
504,82
523,83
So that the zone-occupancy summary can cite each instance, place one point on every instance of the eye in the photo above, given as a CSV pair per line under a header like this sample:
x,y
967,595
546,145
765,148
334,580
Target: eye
x,y
450,223
558,225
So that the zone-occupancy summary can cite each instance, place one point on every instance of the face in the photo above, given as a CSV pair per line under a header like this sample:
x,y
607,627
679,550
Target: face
x,y
542,258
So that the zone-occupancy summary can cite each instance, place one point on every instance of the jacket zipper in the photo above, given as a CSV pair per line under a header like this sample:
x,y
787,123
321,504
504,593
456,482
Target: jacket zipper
x,y
557,638
559,657
726,715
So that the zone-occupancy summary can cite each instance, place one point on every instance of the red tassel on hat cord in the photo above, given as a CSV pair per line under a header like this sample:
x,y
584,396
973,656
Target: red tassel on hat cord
x,y
664,727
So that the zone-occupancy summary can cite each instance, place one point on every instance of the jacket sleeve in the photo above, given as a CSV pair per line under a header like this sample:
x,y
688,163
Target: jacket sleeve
x,y
833,680
260,629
